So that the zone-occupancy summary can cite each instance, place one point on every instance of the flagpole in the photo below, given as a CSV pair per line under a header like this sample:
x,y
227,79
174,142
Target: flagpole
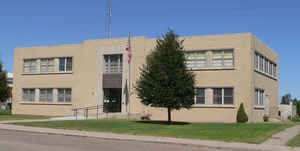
x,y
129,62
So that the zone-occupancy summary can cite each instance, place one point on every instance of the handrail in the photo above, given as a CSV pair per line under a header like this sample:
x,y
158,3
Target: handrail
x,y
86,109
89,107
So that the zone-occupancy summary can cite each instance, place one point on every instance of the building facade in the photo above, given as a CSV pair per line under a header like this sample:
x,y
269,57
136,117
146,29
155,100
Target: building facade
x,y
230,69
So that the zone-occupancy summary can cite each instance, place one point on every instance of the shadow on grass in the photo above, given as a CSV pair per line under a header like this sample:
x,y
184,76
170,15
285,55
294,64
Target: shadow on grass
x,y
163,122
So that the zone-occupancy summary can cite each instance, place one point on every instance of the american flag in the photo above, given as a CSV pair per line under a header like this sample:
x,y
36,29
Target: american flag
x,y
128,48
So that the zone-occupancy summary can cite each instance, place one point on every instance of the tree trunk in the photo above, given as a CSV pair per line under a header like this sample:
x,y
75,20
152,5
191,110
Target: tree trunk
x,y
169,116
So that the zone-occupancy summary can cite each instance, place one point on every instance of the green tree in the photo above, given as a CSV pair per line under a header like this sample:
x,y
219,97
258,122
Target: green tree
x,y
297,104
164,80
4,89
295,100
241,115
286,99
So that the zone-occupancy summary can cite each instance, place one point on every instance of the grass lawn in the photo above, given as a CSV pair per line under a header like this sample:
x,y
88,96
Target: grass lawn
x,y
5,112
250,133
295,142
6,115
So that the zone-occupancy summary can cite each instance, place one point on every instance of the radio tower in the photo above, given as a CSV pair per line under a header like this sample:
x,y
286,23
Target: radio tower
x,y
108,16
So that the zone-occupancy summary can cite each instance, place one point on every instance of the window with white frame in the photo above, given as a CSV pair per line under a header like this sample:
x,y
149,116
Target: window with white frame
x,y
228,95
64,95
113,63
264,65
200,96
47,65
222,95
274,70
259,97
218,96
46,95
29,65
196,59
222,58
256,61
65,64
270,68
261,63
28,95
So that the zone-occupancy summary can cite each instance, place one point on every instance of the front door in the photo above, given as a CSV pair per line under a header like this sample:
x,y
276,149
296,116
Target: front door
x,y
112,100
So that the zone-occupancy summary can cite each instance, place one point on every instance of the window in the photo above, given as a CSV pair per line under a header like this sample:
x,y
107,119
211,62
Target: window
x,y
256,61
65,64
261,63
29,65
274,70
228,95
46,95
217,58
228,58
217,96
259,97
270,68
223,58
200,96
195,59
28,95
256,97
47,65
223,96
64,95
113,63
264,65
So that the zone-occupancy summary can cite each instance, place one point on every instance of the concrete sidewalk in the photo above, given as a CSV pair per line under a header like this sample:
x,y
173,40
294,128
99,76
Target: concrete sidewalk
x,y
153,139
284,136
24,121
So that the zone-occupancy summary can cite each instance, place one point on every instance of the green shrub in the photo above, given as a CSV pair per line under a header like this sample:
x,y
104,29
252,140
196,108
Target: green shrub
x,y
241,115
266,118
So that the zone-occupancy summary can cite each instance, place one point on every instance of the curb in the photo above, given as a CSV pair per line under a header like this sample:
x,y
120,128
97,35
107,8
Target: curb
x,y
151,139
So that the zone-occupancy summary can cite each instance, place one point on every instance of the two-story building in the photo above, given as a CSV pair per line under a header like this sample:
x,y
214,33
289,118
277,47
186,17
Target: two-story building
x,y
230,69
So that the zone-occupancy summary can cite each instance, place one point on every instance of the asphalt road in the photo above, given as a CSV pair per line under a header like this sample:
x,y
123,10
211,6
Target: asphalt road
x,y
25,141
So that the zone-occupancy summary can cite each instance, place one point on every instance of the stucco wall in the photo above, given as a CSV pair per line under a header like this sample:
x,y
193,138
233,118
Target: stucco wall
x,y
53,80
261,81
86,78
238,78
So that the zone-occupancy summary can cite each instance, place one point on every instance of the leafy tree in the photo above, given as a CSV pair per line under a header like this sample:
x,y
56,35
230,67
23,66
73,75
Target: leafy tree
x,y
286,99
241,115
297,104
4,89
164,80
295,100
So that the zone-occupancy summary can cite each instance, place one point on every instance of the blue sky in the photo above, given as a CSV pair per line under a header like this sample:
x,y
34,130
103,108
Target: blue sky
x,y
26,23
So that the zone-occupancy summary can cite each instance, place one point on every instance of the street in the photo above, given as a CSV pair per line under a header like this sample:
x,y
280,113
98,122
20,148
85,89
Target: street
x,y
25,141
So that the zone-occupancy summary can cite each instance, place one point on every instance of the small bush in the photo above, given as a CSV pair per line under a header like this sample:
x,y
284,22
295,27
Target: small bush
x,y
266,118
146,117
241,115
290,118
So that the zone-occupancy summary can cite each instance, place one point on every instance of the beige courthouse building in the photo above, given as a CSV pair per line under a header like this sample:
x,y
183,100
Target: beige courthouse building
x,y
230,69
